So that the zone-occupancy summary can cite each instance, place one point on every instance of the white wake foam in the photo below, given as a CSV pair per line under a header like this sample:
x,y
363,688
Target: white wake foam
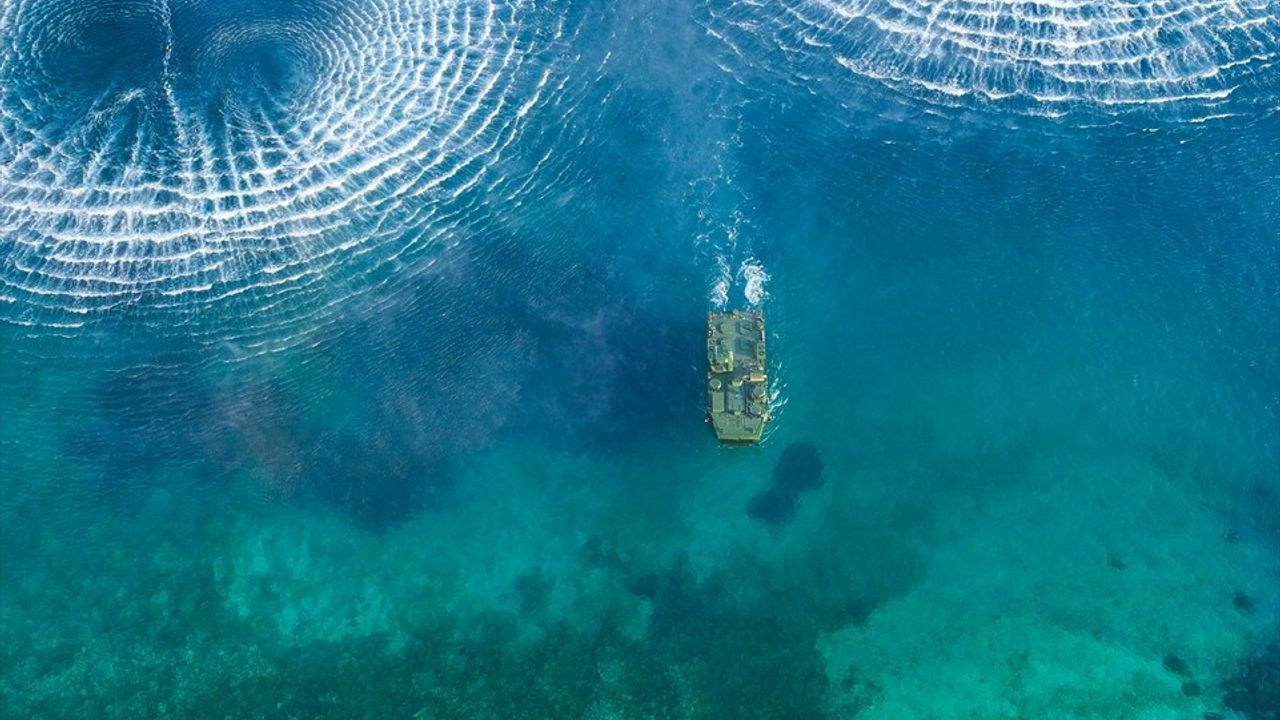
x,y
754,279
719,295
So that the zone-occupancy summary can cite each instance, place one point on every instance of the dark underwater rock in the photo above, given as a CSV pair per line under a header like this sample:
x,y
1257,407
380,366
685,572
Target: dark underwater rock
x,y
798,470
1176,665
532,589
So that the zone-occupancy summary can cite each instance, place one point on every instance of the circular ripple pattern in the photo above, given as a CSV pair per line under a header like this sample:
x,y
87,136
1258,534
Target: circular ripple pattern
x,y
1189,60
247,159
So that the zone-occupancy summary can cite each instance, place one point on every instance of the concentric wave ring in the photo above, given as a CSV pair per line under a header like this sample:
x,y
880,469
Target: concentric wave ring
x,y
1190,60
192,153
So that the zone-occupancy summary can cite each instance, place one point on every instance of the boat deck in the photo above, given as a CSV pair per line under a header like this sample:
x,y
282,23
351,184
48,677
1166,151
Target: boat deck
x,y
737,381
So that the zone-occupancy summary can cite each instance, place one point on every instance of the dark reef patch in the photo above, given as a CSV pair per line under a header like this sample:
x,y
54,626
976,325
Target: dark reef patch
x,y
531,590
501,340
608,369
497,342
375,480
798,470
1254,691
746,654
1176,665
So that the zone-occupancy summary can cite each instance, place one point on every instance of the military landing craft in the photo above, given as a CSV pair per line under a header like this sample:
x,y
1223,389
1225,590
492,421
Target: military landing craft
x,y
736,378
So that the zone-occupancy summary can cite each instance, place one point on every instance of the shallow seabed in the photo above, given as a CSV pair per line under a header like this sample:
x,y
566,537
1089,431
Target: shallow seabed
x,y
370,385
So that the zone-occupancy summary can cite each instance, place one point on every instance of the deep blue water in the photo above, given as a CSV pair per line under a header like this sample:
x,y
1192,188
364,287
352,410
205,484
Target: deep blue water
x,y
352,359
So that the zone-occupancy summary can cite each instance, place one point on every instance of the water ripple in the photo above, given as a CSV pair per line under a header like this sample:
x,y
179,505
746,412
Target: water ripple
x,y
1080,60
190,154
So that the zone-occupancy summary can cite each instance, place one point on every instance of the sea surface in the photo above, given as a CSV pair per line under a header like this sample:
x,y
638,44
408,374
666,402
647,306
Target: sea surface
x,y
352,359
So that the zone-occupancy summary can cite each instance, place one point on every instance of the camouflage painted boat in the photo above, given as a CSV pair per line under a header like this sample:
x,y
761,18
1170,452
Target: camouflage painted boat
x,y
736,378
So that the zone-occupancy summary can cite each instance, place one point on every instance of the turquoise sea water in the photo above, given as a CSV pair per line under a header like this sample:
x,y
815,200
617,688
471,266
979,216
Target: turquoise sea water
x,y
351,359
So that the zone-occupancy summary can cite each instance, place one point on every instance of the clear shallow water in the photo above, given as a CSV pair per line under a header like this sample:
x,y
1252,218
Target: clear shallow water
x,y
352,359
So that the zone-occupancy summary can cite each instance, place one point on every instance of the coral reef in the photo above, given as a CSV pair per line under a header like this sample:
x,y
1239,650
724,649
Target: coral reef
x,y
1254,691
